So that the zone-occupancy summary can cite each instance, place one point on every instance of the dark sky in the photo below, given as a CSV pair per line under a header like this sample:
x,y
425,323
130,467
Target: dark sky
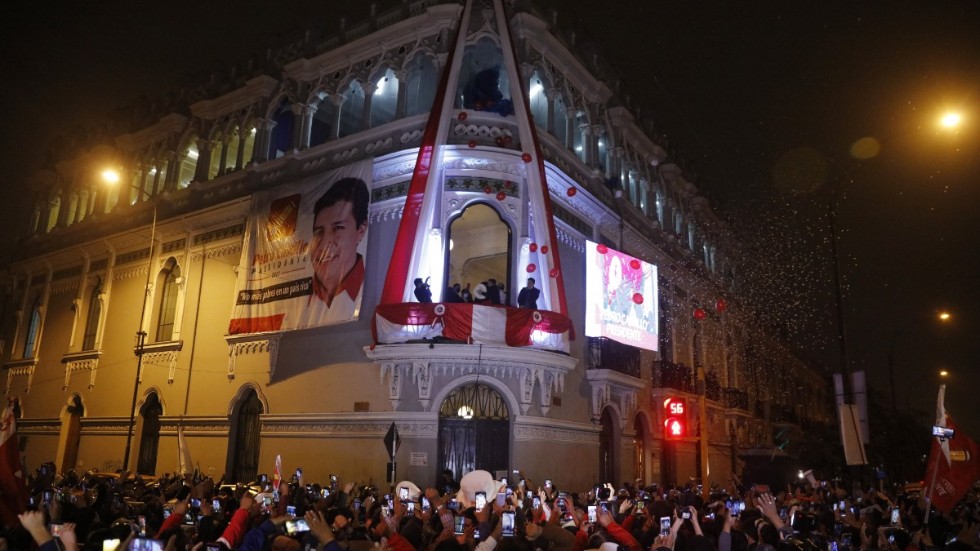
x,y
739,89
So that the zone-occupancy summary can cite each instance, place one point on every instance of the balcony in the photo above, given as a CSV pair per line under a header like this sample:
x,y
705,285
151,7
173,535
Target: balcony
x,y
609,354
671,375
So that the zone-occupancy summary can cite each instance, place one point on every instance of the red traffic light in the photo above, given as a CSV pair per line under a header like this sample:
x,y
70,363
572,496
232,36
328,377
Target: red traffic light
x,y
674,428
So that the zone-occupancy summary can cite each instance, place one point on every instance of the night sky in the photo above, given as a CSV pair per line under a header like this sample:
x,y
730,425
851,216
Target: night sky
x,y
762,101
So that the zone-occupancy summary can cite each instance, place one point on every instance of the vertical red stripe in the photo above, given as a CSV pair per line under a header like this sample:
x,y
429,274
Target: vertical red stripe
x,y
397,278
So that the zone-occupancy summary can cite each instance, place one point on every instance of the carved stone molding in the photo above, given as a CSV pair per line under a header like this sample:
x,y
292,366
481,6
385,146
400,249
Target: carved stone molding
x,y
81,361
21,367
525,368
351,425
254,343
218,252
613,388
539,429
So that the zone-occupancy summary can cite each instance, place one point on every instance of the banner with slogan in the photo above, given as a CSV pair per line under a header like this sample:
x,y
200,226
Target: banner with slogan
x,y
303,258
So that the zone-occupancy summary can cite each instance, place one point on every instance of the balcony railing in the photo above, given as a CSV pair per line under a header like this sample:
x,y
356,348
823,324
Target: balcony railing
x,y
671,375
608,354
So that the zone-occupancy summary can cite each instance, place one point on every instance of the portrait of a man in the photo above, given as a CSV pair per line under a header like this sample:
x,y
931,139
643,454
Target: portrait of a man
x,y
339,225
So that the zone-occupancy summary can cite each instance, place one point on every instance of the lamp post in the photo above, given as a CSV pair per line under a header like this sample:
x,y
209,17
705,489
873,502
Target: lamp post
x,y
942,317
111,177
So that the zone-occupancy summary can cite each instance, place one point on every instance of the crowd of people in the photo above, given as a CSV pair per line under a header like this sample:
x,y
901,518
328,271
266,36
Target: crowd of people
x,y
488,292
100,511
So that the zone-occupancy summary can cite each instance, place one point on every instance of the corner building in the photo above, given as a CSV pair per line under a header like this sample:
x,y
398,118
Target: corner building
x,y
528,141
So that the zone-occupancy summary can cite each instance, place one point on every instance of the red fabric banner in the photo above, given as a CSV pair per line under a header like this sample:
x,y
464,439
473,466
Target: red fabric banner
x,y
13,484
954,476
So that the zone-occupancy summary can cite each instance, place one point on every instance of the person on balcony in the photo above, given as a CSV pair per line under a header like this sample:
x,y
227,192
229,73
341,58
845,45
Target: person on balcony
x,y
528,297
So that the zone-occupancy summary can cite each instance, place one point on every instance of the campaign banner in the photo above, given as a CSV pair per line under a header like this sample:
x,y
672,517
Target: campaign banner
x,y
302,261
620,297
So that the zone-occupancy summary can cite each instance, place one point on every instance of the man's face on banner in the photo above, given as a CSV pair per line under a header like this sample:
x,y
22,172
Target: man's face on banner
x,y
335,239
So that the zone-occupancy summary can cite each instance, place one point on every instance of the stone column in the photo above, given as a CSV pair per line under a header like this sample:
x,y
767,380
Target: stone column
x,y
203,167
306,125
570,127
260,152
401,107
298,110
338,101
550,94
369,89
223,158
240,154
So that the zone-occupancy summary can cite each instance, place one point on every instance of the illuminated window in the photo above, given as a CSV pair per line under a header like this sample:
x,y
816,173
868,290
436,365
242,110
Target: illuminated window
x,y
539,101
167,307
33,330
421,88
188,164
352,109
94,313
385,99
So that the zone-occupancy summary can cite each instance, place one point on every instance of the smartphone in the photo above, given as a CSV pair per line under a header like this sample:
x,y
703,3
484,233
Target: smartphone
x,y
842,506
664,526
166,511
458,525
453,505
263,478
291,510
196,503
481,500
141,522
640,506
425,504
357,505
503,481
216,504
783,511
184,491
410,506
267,500
547,483
55,530
299,472
536,502
145,544
212,547
47,496
894,518
385,510
592,514
501,499
507,524
296,525
686,515
325,493
110,545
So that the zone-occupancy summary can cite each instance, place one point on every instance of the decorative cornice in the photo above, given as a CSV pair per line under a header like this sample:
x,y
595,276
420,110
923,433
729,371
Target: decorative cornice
x,y
541,429
217,253
81,361
610,387
21,367
253,343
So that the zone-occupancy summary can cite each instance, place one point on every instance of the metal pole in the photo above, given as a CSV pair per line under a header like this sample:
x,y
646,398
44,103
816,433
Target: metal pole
x,y
140,343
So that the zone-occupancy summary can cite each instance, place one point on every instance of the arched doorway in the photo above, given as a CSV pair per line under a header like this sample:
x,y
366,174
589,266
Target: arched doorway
x,y
608,437
246,428
474,431
479,249
146,462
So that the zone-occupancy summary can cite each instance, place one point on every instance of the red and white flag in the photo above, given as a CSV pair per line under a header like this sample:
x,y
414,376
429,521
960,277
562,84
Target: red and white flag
x,y
13,486
277,476
953,461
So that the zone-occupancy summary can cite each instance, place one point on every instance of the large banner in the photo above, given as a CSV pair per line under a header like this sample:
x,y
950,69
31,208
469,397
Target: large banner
x,y
303,258
620,297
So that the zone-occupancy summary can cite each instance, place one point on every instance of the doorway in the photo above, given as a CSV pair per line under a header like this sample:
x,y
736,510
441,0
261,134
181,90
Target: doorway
x,y
474,431
479,249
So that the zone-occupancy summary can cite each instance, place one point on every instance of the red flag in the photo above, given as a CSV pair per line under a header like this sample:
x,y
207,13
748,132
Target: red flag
x,y
955,473
13,486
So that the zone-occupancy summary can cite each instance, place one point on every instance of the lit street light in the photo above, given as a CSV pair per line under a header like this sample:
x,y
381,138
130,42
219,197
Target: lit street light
x,y
943,316
111,177
950,120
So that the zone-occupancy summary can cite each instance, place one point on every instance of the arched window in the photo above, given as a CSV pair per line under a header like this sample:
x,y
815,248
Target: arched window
x,y
385,99
321,128
479,248
167,306
188,164
33,330
231,149
483,81
150,413
352,109
281,139
245,440
54,208
422,83
539,101
94,315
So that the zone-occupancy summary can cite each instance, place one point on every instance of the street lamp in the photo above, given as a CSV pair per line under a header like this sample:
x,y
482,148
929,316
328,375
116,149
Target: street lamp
x,y
111,177
941,316
950,120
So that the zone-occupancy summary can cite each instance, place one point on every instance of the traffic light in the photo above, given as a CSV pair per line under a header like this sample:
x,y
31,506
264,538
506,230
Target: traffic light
x,y
675,415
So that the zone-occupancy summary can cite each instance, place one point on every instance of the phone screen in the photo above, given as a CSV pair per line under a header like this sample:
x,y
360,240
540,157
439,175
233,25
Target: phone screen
x,y
403,493
664,526
425,503
110,545
458,524
55,530
146,544
291,510
894,518
686,515
592,514
296,525
536,502
501,498
507,524
481,500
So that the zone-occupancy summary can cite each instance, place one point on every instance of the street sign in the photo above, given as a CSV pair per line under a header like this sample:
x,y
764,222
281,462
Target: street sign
x,y
392,441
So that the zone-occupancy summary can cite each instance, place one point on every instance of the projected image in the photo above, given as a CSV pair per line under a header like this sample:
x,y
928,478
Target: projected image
x,y
620,297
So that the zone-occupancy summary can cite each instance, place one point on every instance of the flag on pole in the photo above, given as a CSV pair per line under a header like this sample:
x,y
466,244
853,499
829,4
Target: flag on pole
x,y
184,463
277,475
953,463
13,488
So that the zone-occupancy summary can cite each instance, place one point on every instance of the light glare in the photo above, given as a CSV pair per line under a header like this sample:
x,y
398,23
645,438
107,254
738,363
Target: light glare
x,y
110,176
950,120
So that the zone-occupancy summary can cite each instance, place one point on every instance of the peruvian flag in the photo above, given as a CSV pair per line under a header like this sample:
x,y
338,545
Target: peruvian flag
x,y
13,486
953,462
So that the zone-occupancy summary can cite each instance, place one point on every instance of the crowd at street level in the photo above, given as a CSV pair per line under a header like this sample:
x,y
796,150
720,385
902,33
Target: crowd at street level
x,y
98,511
